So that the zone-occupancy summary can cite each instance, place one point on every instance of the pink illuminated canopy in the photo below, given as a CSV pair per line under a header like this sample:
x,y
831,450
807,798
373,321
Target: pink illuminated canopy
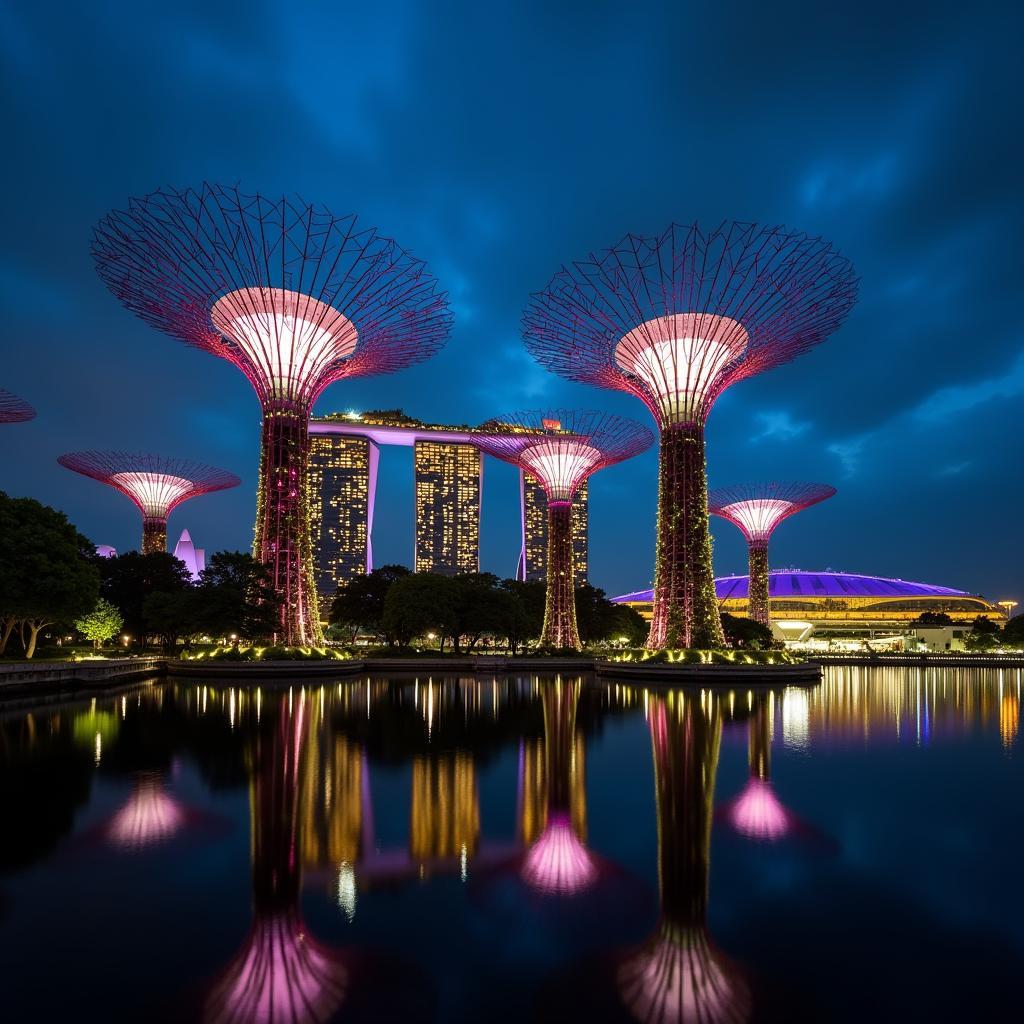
x,y
288,340
561,465
281,976
757,509
757,813
150,816
558,864
155,493
679,359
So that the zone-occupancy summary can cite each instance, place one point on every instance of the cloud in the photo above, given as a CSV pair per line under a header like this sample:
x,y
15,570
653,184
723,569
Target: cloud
x,y
962,398
779,425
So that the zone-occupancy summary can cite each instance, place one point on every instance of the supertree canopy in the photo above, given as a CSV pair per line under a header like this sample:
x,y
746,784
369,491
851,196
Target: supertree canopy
x,y
296,298
154,483
14,409
756,509
675,319
562,448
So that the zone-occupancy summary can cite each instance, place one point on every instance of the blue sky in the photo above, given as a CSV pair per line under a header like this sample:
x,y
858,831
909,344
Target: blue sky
x,y
498,141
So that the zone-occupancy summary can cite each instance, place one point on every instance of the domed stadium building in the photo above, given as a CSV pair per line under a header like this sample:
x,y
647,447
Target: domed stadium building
x,y
837,604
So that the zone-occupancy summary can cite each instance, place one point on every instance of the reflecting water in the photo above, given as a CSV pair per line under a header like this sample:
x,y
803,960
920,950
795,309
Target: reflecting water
x,y
517,849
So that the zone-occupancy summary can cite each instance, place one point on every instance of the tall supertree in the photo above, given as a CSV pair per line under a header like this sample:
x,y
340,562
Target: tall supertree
x,y
675,319
155,484
562,448
756,509
296,298
14,409
679,975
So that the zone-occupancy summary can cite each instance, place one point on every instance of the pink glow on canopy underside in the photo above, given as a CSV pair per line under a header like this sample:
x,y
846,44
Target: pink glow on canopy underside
x,y
679,359
282,976
149,817
286,340
758,517
155,493
561,465
757,813
558,864
680,978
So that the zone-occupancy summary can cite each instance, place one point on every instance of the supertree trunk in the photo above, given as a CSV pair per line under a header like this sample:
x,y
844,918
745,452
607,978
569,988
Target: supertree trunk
x,y
757,582
560,605
154,534
685,606
282,540
760,747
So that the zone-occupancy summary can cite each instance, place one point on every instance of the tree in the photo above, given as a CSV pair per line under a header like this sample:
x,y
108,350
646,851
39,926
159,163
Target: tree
x,y
99,625
984,625
528,610
128,579
46,572
359,603
416,604
1013,631
933,619
171,614
236,596
741,632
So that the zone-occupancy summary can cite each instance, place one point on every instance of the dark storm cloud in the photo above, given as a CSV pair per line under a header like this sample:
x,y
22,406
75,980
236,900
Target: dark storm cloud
x,y
499,141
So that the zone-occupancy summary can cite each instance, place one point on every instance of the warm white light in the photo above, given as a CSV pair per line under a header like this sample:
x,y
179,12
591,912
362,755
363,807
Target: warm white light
x,y
347,893
289,338
758,516
680,357
154,493
561,465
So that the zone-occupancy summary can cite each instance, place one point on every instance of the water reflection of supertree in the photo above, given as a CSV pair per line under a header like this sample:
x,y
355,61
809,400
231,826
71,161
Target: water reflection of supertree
x,y
281,974
557,861
757,813
149,816
678,975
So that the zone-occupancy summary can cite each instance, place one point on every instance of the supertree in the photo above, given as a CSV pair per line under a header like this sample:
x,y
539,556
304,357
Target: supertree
x,y
154,483
296,298
562,448
756,509
675,319
679,975
14,409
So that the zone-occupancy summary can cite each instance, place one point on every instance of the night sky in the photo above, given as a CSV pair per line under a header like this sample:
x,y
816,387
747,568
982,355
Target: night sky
x,y
497,141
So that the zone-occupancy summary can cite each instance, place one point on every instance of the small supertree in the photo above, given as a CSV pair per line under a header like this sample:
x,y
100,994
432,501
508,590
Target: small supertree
x,y
675,319
756,509
14,409
155,484
296,298
562,448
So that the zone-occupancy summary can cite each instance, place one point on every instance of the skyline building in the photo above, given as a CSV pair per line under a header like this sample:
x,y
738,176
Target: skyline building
x,y
342,487
448,487
533,559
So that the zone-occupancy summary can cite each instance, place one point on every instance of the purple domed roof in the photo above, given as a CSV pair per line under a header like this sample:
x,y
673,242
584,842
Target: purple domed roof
x,y
798,583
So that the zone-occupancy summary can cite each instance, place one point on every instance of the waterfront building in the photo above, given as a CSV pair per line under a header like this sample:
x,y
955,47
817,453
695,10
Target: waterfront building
x,y
342,485
449,486
836,604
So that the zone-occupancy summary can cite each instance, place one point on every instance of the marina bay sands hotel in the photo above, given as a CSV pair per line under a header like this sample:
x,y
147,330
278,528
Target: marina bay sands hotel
x,y
448,486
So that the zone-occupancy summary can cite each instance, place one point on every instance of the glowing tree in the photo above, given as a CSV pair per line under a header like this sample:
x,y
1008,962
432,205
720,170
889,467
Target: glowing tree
x,y
756,509
156,485
562,448
296,298
14,409
678,975
558,862
676,319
